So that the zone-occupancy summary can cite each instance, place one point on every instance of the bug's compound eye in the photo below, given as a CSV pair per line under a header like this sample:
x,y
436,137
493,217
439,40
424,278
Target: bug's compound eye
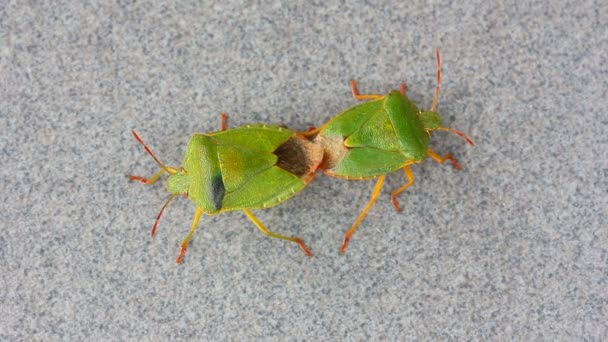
x,y
431,120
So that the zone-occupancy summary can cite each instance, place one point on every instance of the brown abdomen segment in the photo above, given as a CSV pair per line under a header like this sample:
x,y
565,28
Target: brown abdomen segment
x,y
299,156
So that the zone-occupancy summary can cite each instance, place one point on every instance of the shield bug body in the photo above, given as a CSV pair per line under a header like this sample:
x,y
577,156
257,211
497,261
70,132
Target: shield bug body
x,y
250,167
385,134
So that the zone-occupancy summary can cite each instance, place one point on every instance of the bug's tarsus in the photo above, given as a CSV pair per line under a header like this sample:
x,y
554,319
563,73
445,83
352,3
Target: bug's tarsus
x,y
447,157
356,95
452,160
436,97
139,179
223,118
147,181
267,232
312,130
303,246
184,245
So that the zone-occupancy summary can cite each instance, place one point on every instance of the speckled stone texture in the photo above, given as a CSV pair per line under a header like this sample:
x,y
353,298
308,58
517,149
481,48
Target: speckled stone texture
x,y
513,247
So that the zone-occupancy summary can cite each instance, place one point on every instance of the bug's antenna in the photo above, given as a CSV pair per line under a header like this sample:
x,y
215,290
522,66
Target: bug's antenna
x,y
436,97
459,133
160,213
167,169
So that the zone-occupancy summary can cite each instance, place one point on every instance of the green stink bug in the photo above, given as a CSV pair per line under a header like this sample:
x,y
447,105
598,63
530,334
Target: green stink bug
x,y
378,137
250,167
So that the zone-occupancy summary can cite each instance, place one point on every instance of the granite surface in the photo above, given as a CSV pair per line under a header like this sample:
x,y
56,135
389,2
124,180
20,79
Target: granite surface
x,y
512,247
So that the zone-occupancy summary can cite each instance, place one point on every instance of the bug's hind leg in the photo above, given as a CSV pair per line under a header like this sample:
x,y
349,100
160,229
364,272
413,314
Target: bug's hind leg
x,y
184,245
441,160
266,232
410,180
403,89
356,95
352,229
223,118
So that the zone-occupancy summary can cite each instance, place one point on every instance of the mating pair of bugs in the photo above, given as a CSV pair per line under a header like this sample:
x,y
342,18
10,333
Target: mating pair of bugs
x,y
259,166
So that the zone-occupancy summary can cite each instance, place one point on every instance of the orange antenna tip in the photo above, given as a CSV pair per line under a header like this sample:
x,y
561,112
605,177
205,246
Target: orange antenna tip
x,y
458,133
436,97
160,213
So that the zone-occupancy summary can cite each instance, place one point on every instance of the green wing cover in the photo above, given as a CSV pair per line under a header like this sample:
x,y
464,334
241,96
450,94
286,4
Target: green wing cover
x,y
369,134
377,132
367,162
262,138
351,120
248,167
266,189
239,164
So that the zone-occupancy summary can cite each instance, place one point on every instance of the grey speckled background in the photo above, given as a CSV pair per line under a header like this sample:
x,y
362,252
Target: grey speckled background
x,y
515,246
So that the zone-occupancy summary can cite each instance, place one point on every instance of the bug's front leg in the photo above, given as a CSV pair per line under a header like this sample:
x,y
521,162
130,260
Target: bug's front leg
x,y
184,245
150,180
441,160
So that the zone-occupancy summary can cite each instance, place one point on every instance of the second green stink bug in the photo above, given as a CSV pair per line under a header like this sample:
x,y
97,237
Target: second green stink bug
x,y
245,168
383,135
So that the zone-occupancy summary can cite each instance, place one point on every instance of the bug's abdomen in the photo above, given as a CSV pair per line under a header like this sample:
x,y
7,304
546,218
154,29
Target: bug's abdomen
x,y
299,156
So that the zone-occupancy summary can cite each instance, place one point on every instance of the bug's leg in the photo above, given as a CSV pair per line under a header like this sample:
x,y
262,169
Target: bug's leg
x,y
182,251
170,170
403,89
150,180
410,180
266,232
223,118
356,95
311,131
352,229
441,160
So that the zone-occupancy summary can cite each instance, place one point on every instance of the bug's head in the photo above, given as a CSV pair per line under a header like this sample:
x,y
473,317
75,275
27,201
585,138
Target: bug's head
x,y
430,118
432,122
178,183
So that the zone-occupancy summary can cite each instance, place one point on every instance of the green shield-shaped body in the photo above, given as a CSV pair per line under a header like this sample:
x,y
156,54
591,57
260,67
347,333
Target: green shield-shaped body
x,y
250,167
374,138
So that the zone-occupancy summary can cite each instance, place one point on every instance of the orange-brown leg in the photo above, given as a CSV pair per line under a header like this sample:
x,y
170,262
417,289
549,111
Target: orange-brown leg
x,y
403,89
150,180
266,232
182,251
223,118
441,160
352,229
312,130
356,95
410,180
